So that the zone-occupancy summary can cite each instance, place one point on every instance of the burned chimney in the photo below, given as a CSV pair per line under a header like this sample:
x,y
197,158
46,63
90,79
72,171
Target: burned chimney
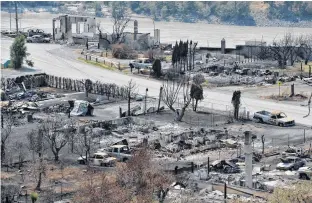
x,y
223,46
135,33
248,159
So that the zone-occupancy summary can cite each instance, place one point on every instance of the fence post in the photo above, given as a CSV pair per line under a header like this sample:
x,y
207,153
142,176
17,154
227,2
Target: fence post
x,y
225,191
86,57
96,59
304,138
208,169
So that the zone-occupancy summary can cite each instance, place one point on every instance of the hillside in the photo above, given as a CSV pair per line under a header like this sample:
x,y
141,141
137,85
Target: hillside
x,y
237,13
257,13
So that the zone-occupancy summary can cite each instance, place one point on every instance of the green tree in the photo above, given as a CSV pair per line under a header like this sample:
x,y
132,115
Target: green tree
x,y
196,94
18,52
157,68
236,102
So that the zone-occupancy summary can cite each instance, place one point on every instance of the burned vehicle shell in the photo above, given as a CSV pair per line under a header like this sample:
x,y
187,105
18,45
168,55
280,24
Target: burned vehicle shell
x,y
224,166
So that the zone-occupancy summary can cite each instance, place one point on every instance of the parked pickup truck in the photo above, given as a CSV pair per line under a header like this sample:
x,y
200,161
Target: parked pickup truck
x,y
98,159
298,152
38,39
274,118
120,152
141,63
305,173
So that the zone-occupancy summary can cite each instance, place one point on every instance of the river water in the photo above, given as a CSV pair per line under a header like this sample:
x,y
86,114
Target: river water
x,y
205,34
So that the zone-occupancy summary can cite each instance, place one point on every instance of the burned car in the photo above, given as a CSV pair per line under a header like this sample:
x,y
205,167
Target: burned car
x,y
224,166
274,118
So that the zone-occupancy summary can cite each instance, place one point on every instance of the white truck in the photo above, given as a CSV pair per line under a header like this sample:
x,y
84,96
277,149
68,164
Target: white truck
x,y
141,63
99,159
274,118
120,152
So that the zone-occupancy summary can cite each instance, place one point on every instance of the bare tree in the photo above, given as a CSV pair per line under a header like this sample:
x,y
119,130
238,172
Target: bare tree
x,y
56,136
21,153
120,18
37,145
171,92
141,176
83,143
305,42
88,86
131,89
9,191
283,50
6,131
299,193
139,179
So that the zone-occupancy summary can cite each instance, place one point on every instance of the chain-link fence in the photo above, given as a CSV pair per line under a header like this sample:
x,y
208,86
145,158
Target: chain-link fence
x,y
298,137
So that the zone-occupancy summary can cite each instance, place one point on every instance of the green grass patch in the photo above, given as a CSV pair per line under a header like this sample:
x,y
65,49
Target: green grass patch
x,y
168,58
101,65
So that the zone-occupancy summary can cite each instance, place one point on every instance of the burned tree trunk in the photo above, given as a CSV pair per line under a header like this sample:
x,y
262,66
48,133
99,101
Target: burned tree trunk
x,y
262,140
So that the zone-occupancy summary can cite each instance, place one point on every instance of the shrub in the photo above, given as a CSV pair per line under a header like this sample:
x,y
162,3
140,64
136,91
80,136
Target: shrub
x,y
34,197
122,51
157,68
199,79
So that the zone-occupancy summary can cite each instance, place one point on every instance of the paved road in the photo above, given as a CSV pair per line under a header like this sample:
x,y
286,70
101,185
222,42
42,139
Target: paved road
x,y
57,60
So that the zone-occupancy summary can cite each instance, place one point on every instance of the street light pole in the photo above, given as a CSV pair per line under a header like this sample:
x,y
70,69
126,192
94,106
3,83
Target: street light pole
x,y
16,17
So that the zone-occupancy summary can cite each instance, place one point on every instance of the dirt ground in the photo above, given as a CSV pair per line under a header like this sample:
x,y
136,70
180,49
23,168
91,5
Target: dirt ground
x,y
269,90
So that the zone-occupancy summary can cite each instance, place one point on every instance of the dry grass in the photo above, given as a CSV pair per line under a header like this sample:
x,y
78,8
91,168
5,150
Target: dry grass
x,y
74,177
286,97
69,173
6,175
101,65
305,68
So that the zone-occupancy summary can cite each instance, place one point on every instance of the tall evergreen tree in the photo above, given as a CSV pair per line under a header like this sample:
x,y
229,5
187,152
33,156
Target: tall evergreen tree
x,y
18,52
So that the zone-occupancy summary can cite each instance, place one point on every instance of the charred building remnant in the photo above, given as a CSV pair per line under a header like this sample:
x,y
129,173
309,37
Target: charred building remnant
x,y
67,27
248,159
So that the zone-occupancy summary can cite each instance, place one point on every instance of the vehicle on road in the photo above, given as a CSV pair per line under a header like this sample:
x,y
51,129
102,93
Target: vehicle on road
x,y
99,159
291,163
274,118
38,39
120,152
294,151
305,173
141,63
167,52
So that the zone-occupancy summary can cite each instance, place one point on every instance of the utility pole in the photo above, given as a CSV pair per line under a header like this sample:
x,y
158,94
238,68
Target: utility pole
x,y
10,17
16,17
